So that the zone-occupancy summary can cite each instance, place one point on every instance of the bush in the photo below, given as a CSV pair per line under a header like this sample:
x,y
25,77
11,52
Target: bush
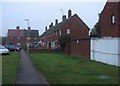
x,y
63,40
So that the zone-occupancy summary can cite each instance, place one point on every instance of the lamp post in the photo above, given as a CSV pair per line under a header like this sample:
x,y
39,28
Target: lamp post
x,y
27,35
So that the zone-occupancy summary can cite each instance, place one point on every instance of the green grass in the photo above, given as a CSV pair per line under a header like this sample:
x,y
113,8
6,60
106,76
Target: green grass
x,y
9,67
66,69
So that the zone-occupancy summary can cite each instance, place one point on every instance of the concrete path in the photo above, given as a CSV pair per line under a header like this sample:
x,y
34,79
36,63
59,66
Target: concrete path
x,y
27,73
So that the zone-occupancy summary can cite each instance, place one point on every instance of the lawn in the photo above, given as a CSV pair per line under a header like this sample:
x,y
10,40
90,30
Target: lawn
x,y
65,69
9,67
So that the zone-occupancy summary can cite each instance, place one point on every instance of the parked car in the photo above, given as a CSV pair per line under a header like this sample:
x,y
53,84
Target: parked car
x,y
3,50
13,47
18,48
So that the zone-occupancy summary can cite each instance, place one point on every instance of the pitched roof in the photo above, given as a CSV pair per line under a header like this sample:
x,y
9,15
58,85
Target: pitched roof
x,y
16,33
57,27
32,33
22,33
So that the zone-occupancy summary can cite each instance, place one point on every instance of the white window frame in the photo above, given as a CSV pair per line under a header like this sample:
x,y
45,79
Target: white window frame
x,y
68,31
60,32
113,19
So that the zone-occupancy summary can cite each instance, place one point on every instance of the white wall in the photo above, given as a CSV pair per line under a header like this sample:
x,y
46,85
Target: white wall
x,y
106,50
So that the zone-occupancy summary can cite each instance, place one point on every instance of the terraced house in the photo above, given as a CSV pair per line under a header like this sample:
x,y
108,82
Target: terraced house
x,y
75,28
19,36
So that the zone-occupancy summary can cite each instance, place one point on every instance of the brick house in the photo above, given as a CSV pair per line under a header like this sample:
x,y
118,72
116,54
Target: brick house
x,y
110,20
75,28
19,36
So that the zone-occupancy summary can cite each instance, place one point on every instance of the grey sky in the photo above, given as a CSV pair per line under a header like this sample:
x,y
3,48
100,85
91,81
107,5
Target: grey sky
x,y
41,14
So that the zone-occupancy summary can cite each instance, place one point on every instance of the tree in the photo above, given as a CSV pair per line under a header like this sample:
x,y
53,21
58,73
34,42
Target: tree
x,y
63,40
95,32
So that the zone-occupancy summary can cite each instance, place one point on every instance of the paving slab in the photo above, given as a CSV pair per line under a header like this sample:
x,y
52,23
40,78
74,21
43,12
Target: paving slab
x,y
27,73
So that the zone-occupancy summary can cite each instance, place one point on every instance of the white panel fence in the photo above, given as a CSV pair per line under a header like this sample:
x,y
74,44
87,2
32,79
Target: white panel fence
x,y
106,50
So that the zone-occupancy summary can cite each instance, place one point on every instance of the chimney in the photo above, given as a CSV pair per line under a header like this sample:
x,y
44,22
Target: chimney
x,y
46,28
69,13
56,21
63,17
29,28
99,14
18,27
51,24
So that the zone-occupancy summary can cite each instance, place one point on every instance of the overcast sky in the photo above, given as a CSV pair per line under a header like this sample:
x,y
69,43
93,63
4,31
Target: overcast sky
x,y
41,14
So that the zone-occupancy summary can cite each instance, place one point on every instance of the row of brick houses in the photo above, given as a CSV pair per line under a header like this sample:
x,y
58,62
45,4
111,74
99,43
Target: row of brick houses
x,y
20,36
73,27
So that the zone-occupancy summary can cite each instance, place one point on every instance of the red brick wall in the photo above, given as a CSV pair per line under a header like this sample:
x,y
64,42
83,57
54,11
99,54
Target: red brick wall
x,y
53,37
22,40
107,29
14,40
81,49
78,28
67,48
32,39
79,31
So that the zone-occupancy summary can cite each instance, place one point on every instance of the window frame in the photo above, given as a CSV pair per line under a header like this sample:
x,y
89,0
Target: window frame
x,y
113,19
68,31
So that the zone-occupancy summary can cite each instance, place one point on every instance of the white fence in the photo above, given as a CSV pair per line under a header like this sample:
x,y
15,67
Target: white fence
x,y
106,50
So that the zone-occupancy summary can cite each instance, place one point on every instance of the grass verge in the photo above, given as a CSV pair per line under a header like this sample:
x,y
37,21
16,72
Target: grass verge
x,y
9,67
66,69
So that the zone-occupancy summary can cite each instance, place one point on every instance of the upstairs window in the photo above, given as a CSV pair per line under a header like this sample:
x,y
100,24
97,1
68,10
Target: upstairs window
x,y
113,19
68,31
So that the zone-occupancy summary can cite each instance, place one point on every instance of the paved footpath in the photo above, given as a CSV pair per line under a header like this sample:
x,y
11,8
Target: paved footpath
x,y
27,73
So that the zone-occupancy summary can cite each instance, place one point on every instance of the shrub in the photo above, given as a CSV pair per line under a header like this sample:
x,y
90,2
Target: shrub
x,y
63,40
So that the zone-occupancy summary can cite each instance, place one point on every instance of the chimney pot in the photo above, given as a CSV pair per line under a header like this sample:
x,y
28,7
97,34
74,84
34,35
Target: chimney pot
x,y
99,14
69,13
51,24
63,17
18,27
56,21
46,28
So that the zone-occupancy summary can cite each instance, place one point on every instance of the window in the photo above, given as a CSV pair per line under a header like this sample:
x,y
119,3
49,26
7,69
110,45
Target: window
x,y
18,37
68,31
60,32
113,19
